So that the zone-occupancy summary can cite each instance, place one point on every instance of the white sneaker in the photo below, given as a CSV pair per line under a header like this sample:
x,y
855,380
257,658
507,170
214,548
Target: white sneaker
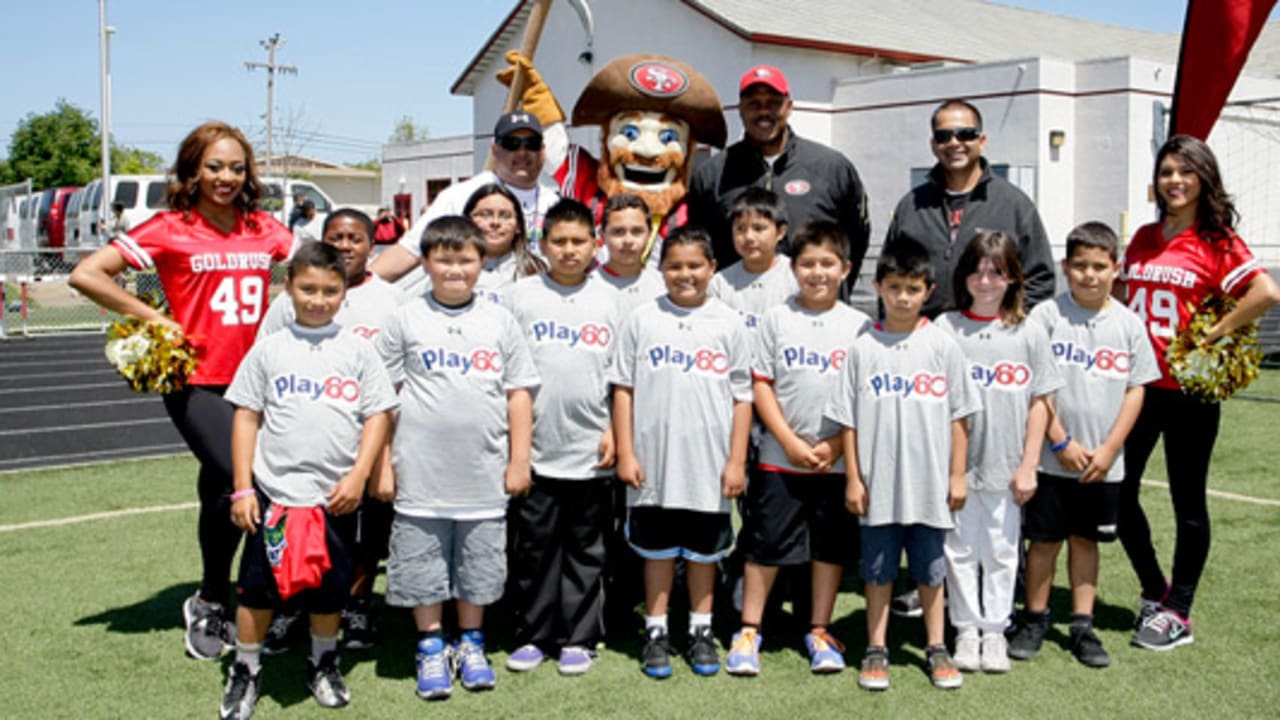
x,y
966,656
995,653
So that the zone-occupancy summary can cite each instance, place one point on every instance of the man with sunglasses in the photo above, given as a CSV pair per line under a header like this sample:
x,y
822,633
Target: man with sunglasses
x,y
814,181
960,196
518,156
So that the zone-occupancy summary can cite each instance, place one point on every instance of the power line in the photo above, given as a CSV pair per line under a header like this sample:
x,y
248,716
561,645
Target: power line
x,y
271,44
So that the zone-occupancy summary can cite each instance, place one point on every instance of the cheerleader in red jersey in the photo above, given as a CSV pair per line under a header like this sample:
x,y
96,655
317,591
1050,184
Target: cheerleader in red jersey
x,y
213,253
1170,266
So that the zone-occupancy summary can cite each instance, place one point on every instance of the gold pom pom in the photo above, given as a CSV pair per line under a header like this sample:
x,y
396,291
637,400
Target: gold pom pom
x,y
1219,370
150,356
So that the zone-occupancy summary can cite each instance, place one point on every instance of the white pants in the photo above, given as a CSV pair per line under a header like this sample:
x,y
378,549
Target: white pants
x,y
982,562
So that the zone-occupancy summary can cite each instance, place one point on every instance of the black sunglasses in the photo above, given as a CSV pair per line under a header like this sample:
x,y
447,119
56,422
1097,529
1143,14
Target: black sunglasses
x,y
512,143
942,136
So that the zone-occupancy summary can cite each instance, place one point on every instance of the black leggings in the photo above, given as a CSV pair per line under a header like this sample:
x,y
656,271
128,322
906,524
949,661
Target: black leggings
x,y
1190,428
203,419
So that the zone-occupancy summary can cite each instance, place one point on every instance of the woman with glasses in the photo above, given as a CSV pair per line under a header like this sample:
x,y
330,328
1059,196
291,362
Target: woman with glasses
x,y
496,211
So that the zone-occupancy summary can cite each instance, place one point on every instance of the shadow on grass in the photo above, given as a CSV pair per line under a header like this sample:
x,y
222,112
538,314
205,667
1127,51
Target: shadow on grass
x,y
161,611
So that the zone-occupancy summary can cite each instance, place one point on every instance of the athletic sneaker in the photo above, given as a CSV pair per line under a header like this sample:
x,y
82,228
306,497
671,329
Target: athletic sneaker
x,y
968,651
1165,630
825,652
1087,648
1146,610
471,665
744,653
942,670
907,604
1027,638
874,674
208,633
657,655
241,694
434,681
326,683
575,660
702,652
525,658
358,631
995,653
280,634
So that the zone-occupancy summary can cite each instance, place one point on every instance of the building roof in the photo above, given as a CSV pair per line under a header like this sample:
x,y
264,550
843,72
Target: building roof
x,y
912,31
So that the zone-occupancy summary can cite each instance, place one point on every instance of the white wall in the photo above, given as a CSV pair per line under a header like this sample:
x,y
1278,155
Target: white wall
x,y
415,163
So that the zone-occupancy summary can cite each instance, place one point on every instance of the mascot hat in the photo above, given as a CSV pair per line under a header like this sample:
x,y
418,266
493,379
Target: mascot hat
x,y
655,83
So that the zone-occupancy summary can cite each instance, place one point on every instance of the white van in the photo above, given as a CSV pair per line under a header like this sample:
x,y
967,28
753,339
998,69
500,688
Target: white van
x,y
279,202
9,221
141,195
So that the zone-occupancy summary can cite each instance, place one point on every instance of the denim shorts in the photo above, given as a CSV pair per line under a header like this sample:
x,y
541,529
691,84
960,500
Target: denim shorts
x,y
882,547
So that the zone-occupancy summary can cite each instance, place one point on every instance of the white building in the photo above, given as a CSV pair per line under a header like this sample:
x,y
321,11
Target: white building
x,y
1074,110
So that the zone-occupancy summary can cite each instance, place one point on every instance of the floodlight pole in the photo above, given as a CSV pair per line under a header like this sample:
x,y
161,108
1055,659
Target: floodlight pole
x,y
104,66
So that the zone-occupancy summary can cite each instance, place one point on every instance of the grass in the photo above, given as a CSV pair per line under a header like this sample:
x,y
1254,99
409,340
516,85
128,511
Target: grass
x,y
92,629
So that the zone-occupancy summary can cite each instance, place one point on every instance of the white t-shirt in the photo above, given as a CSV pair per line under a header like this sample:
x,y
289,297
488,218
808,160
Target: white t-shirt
x,y
636,290
364,310
753,294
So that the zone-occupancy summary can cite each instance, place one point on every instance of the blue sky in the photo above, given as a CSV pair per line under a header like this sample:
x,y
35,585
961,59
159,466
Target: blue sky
x,y
361,65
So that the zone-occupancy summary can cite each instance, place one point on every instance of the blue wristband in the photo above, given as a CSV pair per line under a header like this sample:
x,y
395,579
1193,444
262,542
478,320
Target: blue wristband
x,y
1060,446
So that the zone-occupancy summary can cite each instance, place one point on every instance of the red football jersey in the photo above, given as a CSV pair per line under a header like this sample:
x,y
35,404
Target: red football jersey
x,y
1166,280
216,283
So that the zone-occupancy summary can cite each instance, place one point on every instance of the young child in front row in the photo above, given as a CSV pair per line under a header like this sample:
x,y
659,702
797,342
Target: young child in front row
x,y
793,513
682,415
762,279
1105,357
626,231
312,412
902,402
1010,361
461,446
558,530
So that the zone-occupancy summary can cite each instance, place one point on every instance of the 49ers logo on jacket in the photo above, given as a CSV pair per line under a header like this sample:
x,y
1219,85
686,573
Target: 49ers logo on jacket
x,y
920,386
797,187
657,79
1103,361
1004,375
593,337
333,387
478,361
700,360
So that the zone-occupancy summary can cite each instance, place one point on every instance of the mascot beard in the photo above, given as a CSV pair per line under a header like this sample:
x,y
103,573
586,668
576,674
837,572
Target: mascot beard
x,y
648,154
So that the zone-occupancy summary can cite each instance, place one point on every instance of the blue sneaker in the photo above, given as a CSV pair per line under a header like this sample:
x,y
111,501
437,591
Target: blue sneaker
x,y
576,660
702,652
744,653
657,656
433,670
825,652
525,658
472,666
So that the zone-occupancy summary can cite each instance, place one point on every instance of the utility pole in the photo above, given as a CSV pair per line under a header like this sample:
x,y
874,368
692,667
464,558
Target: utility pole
x,y
272,44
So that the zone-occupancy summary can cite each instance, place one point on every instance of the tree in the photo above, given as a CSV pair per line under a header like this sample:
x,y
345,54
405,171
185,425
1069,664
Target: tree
x,y
132,161
373,163
55,149
407,130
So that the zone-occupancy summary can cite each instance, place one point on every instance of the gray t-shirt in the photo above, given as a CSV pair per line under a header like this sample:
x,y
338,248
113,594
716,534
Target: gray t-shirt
x,y
364,309
452,443
1100,354
315,388
496,275
571,331
686,368
901,392
1011,365
801,353
752,294
634,291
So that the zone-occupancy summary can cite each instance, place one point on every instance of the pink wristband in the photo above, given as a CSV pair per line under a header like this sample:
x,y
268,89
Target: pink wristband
x,y
241,494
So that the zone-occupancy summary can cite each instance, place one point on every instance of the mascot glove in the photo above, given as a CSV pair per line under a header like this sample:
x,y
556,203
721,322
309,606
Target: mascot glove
x,y
537,98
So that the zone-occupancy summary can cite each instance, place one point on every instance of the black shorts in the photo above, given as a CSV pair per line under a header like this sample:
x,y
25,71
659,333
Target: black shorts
x,y
658,533
1064,506
795,518
374,530
257,588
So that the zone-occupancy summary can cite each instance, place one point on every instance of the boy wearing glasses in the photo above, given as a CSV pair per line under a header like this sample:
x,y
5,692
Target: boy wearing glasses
x,y
962,195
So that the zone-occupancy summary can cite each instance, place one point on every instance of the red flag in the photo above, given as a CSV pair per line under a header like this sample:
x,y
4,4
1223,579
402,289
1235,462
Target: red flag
x,y
1216,40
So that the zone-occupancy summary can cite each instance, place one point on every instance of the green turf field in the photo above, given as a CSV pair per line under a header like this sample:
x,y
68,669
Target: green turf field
x,y
92,629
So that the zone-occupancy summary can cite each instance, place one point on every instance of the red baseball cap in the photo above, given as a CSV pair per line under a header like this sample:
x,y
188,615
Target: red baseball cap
x,y
766,75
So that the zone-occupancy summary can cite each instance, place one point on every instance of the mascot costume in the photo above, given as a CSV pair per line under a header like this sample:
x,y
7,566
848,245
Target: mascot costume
x,y
652,112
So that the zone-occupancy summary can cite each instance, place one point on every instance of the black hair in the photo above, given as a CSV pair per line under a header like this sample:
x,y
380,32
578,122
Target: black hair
x,y
820,233
1215,212
623,201
907,258
688,235
758,201
955,103
1093,234
568,210
1003,251
452,232
526,262
317,255
348,212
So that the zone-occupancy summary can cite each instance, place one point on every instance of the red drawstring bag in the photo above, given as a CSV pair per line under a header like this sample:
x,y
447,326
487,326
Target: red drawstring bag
x,y
296,547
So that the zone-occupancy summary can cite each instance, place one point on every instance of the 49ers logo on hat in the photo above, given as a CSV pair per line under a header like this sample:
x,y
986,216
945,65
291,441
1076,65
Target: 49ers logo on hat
x,y
797,187
658,79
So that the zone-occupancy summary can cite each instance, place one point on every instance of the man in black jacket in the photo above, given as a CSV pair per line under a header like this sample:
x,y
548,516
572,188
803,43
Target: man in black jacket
x,y
814,181
962,196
